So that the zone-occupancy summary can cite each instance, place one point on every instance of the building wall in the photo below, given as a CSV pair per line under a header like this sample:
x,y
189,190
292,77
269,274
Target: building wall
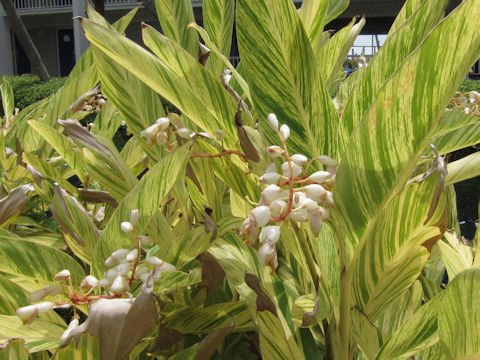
x,y
46,42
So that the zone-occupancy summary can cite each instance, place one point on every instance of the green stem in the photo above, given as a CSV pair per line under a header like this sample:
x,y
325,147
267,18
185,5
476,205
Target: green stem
x,y
343,324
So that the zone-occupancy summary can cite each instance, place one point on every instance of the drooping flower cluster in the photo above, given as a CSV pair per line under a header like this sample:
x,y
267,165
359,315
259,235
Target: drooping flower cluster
x,y
468,102
292,194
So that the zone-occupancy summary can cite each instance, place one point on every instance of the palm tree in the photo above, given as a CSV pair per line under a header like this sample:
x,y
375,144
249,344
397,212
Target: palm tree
x,y
38,67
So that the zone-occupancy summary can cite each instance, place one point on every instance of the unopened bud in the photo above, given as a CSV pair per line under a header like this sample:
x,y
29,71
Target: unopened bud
x,y
63,275
132,255
166,267
327,160
44,306
27,313
140,271
297,170
274,151
184,133
163,123
272,121
104,283
153,260
123,269
299,159
144,240
110,261
284,131
277,207
270,234
315,192
316,220
269,178
268,255
475,96
328,198
126,226
320,176
272,192
119,254
219,135
91,281
300,215
119,285
134,216
262,215
72,325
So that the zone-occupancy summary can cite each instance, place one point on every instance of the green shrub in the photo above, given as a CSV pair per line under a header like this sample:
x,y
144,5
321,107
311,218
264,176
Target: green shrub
x,y
469,85
28,89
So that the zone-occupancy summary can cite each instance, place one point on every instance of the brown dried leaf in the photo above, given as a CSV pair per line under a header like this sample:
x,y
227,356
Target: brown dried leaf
x,y
211,342
165,339
77,132
98,196
12,203
310,317
212,272
263,301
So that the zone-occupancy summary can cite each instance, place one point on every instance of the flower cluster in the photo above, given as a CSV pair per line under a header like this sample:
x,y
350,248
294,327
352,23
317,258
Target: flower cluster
x,y
291,194
124,267
469,102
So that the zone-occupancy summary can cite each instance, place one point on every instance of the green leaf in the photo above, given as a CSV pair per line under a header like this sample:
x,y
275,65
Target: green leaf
x,y
405,112
174,74
42,334
8,101
279,64
365,334
335,8
408,10
138,104
209,318
63,146
172,280
174,16
273,342
145,196
15,350
12,297
107,121
459,316
468,135
87,349
333,53
218,16
36,262
312,14
456,256
395,50
393,255
420,332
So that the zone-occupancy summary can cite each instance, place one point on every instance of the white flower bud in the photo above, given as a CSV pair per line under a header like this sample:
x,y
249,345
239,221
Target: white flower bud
x,y
134,216
320,176
272,121
119,285
467,111
110,261
262,215
298,198
72,325
475,96
328,198
297,170
126,226
104,283
315,192
316,220
27,313
132,255
274,151
250,229
163,123
299,159
327,160
91,281
270,234
63,275
204,134
150,133
271,193
144,277
119,254
300,215
162,138
277,207
44,306
184,133
268,255
37,295
144,240
155,261
326,214
284,132
111,274
123,123
123,269
165,267
309,204
269,178
140,271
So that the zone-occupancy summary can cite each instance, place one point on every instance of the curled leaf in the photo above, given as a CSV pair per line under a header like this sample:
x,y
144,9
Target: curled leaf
x,y
263,301
14,202
77,132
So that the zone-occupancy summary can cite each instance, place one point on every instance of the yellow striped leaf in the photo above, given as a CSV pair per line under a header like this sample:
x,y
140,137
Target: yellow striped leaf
x,y
147,196
312,14
279,64
218,18
8,101
407,10
88,348
174,16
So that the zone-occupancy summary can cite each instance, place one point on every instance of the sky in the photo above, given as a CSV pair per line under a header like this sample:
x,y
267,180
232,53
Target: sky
x,y
367,41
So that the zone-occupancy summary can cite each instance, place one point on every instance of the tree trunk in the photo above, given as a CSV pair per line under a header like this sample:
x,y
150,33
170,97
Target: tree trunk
x,y
38,67
99,6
